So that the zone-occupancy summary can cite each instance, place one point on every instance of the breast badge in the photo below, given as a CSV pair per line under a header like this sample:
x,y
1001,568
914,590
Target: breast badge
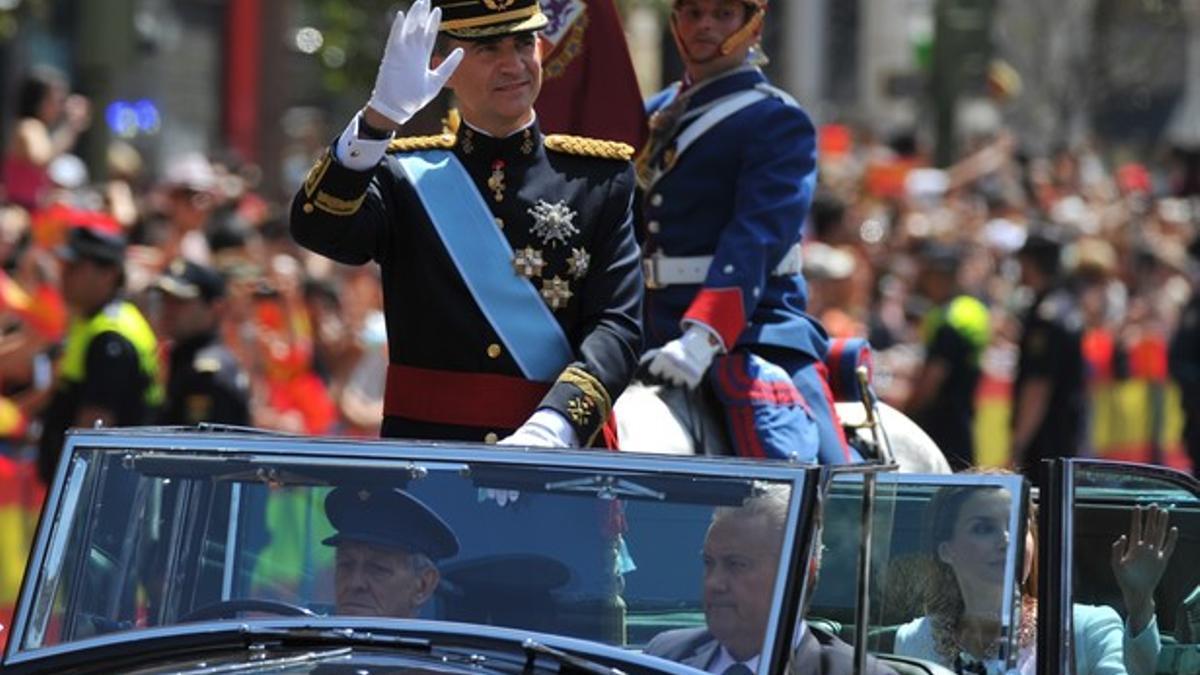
x,y
528,262
556,292
553,223
578,263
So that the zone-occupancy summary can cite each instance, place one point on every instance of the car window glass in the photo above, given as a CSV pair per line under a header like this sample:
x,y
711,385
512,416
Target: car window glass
x,y
1135,584
916,596
834,594
620,557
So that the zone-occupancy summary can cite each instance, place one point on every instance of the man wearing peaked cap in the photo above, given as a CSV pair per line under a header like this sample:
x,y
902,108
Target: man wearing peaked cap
x,y
108,371
387,542
206,383
511,279
728,178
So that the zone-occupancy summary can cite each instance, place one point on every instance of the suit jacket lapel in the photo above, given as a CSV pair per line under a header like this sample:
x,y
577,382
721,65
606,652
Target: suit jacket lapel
x,y
703,655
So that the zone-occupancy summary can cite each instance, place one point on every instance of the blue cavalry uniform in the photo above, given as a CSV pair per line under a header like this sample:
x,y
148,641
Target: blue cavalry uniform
x,y
728,178
558,212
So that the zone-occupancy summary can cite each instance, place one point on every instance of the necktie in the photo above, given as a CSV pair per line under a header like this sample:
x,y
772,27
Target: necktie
x,y
738,669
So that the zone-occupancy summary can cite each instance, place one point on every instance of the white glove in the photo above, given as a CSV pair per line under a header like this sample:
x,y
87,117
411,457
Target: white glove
x,y
544,429
405,84
683,361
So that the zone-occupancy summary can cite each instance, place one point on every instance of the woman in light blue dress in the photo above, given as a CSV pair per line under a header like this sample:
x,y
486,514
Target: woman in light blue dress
x,y
969,543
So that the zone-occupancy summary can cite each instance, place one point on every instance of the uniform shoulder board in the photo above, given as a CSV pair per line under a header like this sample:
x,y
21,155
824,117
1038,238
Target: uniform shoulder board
x,y
415,143
589,147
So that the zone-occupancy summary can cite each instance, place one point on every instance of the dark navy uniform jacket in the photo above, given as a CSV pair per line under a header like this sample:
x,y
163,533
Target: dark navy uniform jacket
x,y
740,193
206,384
1051,346
592,280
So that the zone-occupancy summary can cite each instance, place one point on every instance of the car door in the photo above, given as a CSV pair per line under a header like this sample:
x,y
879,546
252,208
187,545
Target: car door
x,y
1088,617
885,606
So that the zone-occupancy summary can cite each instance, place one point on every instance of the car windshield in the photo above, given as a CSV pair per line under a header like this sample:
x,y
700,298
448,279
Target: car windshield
x,y
589,545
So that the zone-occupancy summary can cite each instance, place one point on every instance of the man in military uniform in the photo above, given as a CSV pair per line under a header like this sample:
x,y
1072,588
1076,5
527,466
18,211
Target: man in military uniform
x,y
1049,405
728,177
205,382
108,372
1185,361
387,543
511,282
955,332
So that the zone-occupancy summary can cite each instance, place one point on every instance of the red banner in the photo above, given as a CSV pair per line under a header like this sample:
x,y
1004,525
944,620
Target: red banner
x,y
590,87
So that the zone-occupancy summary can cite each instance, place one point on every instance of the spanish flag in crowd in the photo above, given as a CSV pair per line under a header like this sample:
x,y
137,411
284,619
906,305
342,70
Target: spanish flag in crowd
x,y
590,87
21,495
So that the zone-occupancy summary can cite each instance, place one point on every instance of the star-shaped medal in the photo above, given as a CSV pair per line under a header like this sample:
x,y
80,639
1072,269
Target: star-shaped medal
x,y
528,262
556,292
577,264
554,223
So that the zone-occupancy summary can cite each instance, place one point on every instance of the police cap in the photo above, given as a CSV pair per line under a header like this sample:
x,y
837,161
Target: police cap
x,y
388,518
479,19
98,244
1044,248
188,280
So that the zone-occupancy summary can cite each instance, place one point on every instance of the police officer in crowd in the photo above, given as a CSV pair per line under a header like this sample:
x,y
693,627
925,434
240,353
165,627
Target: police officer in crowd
x,y
205,383
108,372
511,279
1049,408
728,177
954,333
1184,358
388,543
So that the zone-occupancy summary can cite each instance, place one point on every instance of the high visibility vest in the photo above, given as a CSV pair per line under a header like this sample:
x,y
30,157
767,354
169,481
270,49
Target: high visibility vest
x,y
119,317
967,316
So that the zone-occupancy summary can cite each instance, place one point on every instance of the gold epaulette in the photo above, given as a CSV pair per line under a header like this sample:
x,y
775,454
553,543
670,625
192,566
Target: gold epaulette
x,y
414,143
589,147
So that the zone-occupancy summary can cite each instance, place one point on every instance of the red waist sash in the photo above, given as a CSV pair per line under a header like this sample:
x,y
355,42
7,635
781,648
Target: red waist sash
x,y
464,399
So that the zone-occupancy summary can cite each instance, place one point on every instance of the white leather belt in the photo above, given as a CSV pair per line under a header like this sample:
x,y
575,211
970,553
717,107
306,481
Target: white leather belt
x,y
662,271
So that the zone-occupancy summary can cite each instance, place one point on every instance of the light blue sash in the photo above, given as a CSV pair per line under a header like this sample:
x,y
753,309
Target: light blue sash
x,y
483,257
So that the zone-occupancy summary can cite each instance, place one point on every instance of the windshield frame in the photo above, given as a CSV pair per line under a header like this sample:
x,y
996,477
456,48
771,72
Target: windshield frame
x,y
54,531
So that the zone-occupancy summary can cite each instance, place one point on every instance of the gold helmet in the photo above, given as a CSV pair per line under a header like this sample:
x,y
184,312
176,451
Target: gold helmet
x,y
741,37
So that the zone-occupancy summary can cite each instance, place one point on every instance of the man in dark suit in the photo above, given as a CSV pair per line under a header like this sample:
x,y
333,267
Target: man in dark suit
x,y
741,556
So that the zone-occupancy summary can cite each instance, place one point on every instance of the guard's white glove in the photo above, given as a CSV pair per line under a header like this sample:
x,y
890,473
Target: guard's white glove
x,y
544,429
684,360
405,84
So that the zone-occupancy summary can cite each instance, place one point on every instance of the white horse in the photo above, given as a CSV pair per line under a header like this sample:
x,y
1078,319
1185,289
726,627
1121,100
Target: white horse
x,y
666,420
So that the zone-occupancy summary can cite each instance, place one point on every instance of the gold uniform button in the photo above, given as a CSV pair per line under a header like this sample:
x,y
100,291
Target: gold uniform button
x,y
494,351
653,227
656,199
500,223
491,438
308,208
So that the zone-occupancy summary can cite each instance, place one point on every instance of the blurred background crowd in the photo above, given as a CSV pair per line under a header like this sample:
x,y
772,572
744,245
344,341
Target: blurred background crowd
x,y
943,147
